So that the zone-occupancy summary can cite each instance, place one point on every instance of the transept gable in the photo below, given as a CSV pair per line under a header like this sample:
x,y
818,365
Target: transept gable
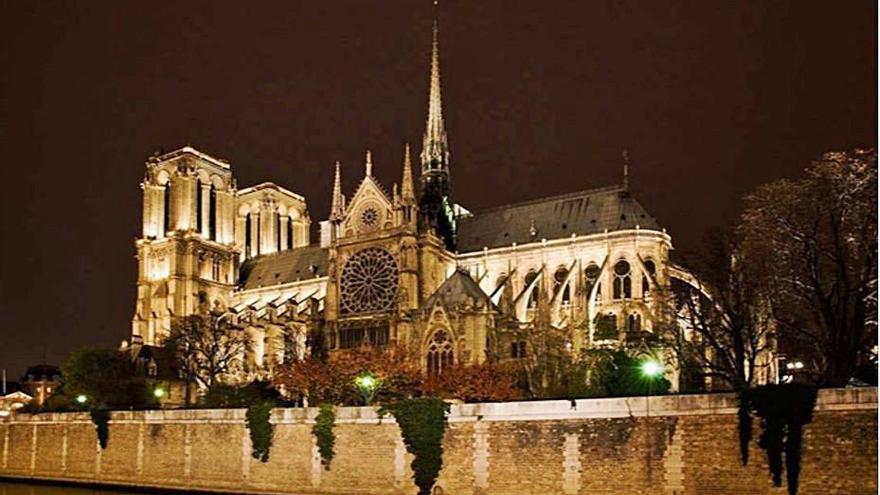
x,y
370,209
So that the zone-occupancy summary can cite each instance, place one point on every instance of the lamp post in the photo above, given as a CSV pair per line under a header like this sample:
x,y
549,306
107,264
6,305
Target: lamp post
x,y
651,369
367,385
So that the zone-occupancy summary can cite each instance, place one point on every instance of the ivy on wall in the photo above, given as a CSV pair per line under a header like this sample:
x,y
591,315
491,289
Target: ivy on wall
x,y
422,424
101,419
783,410
323,431
261,430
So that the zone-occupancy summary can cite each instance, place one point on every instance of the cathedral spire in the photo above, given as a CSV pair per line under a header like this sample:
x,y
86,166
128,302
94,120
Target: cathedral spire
x,y
407,191
435,154
337,207
625,170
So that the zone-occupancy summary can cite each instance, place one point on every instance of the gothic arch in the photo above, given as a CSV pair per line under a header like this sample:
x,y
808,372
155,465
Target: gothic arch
x,y
439,352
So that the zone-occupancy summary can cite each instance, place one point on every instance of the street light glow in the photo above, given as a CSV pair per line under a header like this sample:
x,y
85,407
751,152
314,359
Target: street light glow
x,y
159,393
651,368
81,398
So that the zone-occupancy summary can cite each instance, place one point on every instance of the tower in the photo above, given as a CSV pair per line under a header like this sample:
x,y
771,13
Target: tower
x,y
434,191
186,255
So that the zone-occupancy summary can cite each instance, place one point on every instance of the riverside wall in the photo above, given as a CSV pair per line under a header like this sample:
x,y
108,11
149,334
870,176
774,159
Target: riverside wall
x,y
671,445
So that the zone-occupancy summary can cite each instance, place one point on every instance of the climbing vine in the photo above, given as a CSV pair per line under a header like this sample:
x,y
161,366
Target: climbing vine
x,y
783,410
323,431
422,424
101,419
261,430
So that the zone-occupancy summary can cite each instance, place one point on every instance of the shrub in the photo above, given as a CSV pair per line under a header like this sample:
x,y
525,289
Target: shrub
x,y
224,396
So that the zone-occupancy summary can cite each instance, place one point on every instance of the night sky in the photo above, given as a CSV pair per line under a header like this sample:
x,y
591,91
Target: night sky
x,y
540,98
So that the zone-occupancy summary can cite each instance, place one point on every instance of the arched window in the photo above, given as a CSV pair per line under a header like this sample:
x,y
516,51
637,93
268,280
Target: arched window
x,y
533,295
560,278
591,276
279,228
646,281
166,226
247,235
440,356
289,226
622,280
212,214
199,205
634,323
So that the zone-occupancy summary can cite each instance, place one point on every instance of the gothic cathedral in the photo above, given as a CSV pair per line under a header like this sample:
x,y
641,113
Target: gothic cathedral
x,y
408,267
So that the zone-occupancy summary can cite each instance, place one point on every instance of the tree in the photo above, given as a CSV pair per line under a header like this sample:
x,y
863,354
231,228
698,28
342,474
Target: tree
x,y
332,380
722,325
207,348
487,382
817,238
105,377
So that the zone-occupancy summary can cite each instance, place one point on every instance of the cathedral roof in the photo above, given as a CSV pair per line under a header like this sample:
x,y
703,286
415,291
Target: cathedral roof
x,y
284,267
557,217
459,290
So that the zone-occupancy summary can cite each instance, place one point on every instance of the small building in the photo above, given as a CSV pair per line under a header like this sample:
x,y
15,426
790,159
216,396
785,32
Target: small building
x,y
40,382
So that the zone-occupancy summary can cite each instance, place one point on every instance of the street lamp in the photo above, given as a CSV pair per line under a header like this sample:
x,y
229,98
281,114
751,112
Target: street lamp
x,y
81,399
159,393
367,385
651,369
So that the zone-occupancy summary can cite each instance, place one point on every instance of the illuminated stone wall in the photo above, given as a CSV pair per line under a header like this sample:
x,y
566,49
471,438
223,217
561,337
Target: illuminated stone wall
x,y
672,445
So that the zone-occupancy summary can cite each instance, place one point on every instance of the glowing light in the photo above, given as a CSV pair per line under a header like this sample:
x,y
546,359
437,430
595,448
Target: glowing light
x,y
796,365
81,398
367,385
159,393
651,368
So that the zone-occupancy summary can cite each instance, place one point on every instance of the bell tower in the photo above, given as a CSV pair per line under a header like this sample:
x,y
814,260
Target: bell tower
x,y
186,253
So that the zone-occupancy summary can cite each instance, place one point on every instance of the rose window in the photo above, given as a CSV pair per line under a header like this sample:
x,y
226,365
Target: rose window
x,y
369,217
369,281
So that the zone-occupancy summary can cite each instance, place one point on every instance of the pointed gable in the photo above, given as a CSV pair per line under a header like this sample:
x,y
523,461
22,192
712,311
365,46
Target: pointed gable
x,y
460,291
370,208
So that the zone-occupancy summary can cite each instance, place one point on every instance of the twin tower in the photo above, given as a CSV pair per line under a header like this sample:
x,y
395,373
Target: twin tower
x,y
198,227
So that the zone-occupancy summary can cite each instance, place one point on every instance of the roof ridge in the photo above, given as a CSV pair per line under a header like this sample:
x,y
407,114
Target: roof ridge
x,y
544,199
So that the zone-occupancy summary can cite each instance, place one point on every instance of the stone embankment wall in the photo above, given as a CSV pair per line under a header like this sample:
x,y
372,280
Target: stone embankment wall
x,y
665,445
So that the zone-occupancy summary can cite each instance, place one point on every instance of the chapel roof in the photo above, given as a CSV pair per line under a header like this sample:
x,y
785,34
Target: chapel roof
x,y
284,267
459,290
585,212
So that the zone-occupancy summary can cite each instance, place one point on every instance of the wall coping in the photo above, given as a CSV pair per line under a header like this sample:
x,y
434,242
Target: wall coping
x,y
839,399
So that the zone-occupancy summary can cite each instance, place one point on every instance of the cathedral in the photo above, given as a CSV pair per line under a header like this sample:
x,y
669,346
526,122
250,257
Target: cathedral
x,y
405,266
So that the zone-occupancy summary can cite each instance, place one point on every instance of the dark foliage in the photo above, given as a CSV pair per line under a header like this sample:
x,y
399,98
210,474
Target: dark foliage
x,y
783,410
422,423
106,377
261,430
101,419
323,431
221,395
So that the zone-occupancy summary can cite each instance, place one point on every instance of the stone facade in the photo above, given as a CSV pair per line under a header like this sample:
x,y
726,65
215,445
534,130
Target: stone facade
x,y
673,445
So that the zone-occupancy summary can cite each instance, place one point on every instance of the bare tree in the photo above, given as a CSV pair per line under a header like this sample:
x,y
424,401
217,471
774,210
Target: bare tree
x,y
818,238
207,348
722,324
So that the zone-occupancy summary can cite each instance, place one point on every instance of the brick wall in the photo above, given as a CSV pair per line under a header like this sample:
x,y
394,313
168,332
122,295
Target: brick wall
x,y
668,445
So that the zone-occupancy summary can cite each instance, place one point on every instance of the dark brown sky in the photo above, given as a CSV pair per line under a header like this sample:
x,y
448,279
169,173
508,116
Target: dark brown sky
x,y
711,98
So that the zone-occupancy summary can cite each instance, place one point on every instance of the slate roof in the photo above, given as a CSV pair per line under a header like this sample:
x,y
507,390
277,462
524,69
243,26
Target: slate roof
x,y
459,289
584,212
283,267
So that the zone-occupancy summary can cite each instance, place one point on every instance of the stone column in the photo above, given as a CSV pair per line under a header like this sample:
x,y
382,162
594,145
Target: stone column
x,y
226,217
